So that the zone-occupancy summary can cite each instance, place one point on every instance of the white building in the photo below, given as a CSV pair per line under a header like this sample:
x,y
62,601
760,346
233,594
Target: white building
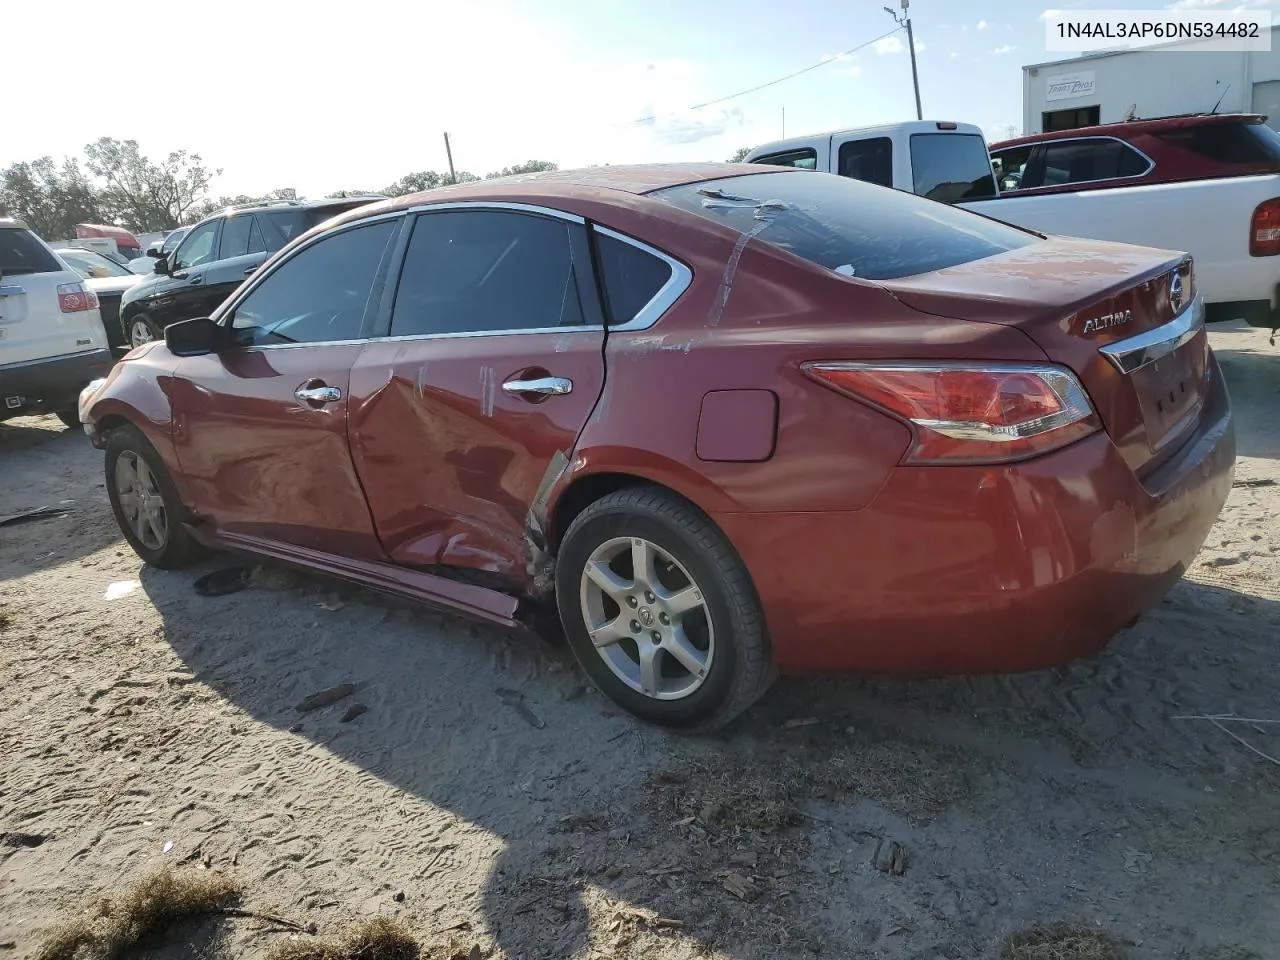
x,y
1104,87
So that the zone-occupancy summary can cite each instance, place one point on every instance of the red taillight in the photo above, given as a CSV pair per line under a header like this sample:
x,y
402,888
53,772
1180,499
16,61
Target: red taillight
x,y
971,413
1264,229
72,298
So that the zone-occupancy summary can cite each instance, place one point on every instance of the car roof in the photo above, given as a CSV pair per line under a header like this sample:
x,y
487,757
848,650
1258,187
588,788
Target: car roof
x,y
588,183
1131,127
12,224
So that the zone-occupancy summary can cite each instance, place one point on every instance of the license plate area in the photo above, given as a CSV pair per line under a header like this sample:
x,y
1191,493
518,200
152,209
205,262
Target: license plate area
x,y
1170,392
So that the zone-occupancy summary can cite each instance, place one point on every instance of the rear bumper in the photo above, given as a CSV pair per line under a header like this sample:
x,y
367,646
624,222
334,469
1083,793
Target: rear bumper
x,y
53,383
980,570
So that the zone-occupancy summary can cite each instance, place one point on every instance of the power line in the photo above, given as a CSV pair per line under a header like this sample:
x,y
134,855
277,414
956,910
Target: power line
x,y
743,93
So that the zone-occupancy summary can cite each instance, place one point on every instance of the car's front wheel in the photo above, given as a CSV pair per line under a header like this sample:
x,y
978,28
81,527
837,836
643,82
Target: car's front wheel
x,y
146,503
141,329
660,610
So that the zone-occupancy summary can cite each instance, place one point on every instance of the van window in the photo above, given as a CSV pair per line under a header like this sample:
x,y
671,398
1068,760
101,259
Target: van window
x,y
951,167
870,160
805,159
848,226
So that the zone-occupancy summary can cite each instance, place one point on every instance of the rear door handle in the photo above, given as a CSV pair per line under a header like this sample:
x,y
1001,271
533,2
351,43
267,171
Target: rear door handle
x,y
548,386
318,394
250,270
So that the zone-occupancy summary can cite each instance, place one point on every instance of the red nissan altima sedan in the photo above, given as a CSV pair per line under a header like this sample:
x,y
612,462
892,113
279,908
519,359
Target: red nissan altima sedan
x,y
730,421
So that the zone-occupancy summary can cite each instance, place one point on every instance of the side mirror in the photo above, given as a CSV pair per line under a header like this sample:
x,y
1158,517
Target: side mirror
x,y
195,338
154,252
162,265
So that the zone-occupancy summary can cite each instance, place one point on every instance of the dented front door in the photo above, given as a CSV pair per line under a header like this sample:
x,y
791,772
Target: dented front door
x,y
456,432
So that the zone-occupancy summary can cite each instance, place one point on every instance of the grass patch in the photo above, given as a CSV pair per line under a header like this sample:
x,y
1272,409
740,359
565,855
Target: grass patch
x,y
1061,941
378,939
147,908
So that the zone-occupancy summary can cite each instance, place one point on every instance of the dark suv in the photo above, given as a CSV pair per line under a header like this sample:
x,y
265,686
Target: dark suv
x,y
215,257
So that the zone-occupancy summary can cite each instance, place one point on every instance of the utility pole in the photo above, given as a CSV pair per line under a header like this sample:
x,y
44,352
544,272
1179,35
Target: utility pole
x,y
453,177
905,21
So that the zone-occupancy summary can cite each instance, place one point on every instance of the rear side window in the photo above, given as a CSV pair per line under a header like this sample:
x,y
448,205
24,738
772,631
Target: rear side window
x,y
848,226
869,160
805,159
1230,143
21,252
951,167
480,271
631,277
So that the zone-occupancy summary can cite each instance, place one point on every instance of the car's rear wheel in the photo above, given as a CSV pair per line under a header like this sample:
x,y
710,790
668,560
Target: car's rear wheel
x,y
141,329
146,503
660,610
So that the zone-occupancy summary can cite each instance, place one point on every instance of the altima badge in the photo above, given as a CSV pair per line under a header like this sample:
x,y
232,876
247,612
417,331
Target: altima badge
x,y
1108,320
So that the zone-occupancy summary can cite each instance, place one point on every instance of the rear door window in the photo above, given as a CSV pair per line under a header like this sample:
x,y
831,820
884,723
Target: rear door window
x,y
869,160
21,252
951,167
803,159
481,271
1086,161
235,236
848,226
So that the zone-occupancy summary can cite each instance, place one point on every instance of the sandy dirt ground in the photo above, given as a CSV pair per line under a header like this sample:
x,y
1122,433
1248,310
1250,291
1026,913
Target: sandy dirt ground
x,y
487,796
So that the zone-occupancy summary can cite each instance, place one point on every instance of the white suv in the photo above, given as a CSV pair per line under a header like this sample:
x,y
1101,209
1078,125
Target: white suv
x,y
52,341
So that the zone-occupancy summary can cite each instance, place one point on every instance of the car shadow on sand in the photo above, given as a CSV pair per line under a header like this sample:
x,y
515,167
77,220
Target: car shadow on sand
x,y
596,822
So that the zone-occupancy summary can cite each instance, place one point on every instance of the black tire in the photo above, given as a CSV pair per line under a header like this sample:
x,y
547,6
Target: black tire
x,y
70,419
178,548
741,669
157,331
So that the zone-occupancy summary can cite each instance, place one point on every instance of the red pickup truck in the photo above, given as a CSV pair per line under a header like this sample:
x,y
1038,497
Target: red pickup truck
x,y
1163,150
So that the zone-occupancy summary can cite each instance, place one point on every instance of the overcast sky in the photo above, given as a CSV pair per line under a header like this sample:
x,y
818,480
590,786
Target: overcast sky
x,y
324,96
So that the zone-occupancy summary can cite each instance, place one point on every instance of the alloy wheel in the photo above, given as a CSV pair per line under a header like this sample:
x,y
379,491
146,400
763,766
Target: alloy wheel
x,y
647,618
140,332
141,501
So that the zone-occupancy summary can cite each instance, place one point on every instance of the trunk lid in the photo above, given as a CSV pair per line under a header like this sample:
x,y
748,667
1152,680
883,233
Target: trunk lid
x,y
1111,313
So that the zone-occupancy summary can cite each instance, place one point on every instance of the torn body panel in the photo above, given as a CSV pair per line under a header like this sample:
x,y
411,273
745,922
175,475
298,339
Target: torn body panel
x,y
453,461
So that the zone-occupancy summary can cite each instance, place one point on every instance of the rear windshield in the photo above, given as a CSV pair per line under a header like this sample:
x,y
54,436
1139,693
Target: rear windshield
x,y
21,252
92,266
289,222
848,226
951,167
1229,143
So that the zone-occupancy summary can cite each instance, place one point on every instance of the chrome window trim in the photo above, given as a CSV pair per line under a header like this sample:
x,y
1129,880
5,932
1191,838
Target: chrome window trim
x,y
498,205
1151,164
226,313
1136,352
662,301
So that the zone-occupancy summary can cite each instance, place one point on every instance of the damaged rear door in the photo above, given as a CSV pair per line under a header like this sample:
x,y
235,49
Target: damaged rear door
x,y
469,408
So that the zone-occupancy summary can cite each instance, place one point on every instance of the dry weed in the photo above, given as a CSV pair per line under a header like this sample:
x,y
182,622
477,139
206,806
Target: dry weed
x,y
1061,941
378,939
147,908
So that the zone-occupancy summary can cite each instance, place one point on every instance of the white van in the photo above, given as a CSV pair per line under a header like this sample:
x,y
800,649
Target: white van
x,y
52,342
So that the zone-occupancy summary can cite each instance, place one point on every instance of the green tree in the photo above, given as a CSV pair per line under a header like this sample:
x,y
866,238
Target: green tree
x,y
740,154
529,166
143,195
51,201
424,180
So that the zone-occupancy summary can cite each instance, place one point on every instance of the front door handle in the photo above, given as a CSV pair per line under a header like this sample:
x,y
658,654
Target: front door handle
x,y
195,279
318,394
548,386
